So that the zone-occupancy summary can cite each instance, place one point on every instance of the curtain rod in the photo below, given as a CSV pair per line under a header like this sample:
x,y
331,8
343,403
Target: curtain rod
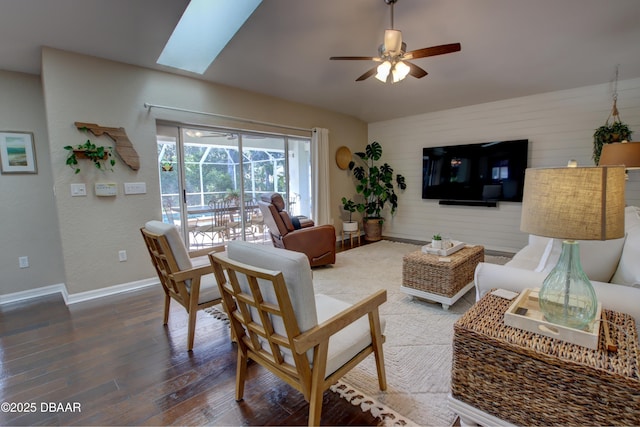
x,y
223,116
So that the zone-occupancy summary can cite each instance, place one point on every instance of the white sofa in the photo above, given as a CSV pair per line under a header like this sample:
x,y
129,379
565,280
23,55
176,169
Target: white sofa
x,y
613,266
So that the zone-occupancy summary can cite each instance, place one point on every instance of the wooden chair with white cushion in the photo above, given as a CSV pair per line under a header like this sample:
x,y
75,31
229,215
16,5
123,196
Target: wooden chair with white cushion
x,y
308,340
186,277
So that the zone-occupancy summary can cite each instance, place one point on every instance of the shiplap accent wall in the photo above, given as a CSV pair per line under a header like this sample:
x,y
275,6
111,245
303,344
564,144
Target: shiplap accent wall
x,y
558,125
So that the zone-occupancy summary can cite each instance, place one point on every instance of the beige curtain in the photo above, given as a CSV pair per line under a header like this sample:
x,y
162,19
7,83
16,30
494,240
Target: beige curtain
x,y
320,170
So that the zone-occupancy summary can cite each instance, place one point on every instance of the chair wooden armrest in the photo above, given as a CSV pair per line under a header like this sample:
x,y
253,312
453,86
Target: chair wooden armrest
x,y
325,330
205,251
192,273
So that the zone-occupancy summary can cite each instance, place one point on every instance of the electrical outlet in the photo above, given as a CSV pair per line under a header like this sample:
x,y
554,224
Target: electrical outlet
x,y
122,256
23,261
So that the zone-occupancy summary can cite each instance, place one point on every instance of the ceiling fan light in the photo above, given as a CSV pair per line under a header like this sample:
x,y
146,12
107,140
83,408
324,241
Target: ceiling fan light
x,y
383,71
400,71
393,41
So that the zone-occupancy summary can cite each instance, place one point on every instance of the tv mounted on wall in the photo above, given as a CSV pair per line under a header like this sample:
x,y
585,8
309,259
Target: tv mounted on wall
x,y
475,174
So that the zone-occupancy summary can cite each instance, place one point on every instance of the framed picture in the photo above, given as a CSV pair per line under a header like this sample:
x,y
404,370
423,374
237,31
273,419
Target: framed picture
x,y
17,152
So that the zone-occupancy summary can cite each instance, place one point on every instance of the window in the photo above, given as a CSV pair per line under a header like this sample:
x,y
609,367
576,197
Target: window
x,y
211,180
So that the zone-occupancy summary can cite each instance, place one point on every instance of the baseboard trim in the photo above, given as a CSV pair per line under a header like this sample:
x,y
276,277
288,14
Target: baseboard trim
x,y
111,290
78,297
34,293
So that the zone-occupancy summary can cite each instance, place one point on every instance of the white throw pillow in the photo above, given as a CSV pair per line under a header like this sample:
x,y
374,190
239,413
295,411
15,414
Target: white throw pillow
x,y
600,258
628,272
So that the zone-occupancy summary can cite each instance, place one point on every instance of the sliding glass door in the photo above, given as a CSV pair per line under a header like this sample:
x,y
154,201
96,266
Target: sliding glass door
x,y
211,180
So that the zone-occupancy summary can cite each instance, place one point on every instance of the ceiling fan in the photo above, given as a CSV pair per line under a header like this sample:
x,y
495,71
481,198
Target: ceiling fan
x,y
394,58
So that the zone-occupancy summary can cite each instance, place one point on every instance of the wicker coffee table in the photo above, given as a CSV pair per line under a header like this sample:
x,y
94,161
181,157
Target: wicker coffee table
x,y
440,279
504,375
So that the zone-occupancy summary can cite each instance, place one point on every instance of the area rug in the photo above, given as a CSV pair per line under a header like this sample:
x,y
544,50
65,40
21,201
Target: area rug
x,y
419,334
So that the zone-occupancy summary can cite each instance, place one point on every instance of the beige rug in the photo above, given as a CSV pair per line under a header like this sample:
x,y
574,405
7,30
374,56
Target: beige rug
x,y
419,334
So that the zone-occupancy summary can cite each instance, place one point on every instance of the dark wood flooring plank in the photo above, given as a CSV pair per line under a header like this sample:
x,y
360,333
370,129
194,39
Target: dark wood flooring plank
x,y
116,359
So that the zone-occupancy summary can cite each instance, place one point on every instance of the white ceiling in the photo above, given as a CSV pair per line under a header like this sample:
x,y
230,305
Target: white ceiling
x,y
510,48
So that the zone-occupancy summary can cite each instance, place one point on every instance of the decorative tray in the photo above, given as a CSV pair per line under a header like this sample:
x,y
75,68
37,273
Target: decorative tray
x,y
524,313
427,249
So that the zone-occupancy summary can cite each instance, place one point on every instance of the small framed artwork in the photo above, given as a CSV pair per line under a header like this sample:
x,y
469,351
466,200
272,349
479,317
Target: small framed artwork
x,y
17,152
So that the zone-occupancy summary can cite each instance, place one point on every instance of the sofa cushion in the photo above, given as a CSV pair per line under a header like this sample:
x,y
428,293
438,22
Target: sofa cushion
x,y
628,272
348,342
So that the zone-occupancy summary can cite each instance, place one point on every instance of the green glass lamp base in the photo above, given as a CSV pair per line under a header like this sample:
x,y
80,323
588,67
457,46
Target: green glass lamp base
x,y
567,297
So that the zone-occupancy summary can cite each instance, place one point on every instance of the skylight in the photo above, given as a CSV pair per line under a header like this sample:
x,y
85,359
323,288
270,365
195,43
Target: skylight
x,y
203,31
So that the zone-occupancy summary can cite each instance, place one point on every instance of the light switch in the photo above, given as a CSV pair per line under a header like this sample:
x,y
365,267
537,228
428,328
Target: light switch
x,y
78,190
135,187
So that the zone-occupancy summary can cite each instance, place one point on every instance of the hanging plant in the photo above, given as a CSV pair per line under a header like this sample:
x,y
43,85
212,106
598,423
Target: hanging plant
x,y
615,131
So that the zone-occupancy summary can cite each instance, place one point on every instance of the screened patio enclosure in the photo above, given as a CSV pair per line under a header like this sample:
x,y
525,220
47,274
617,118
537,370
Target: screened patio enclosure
x,y
211,179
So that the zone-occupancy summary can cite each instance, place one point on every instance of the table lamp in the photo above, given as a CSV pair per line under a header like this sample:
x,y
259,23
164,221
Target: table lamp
x,y
572,203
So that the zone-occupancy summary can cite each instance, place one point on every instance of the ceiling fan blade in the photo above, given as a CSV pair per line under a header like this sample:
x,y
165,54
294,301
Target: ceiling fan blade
x,y
355,58
416,71
433,51
368,74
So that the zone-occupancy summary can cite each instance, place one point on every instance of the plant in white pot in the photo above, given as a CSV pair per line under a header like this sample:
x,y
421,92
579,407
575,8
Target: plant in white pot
x,y
377,185
436,241
349,206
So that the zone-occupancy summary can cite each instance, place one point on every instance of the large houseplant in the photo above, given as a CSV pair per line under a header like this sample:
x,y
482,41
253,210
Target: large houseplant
x,y
377,186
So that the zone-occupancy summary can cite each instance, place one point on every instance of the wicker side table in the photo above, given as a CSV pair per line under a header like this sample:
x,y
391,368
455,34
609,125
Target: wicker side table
x,y
441,279
503,374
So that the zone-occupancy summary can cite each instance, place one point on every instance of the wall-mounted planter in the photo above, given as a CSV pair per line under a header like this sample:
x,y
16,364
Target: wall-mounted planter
x,y
99,155
84,154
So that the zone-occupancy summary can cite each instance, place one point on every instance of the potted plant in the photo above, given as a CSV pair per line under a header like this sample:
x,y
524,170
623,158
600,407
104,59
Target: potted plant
x,y
98,154
377,185
617,131
232,196
614,132
436,241
349,206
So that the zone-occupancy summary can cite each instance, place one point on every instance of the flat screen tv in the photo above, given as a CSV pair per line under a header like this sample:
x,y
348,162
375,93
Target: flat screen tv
x,y
486,172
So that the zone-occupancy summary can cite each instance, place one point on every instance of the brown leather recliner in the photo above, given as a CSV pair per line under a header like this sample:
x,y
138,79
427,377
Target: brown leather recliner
x,y
298,234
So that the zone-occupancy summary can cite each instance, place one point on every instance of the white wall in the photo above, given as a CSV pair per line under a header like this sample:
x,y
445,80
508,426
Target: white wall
x,y
558,125
87,89
29,225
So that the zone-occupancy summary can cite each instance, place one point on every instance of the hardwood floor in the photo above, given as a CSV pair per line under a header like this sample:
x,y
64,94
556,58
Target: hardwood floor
x,y
110,361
